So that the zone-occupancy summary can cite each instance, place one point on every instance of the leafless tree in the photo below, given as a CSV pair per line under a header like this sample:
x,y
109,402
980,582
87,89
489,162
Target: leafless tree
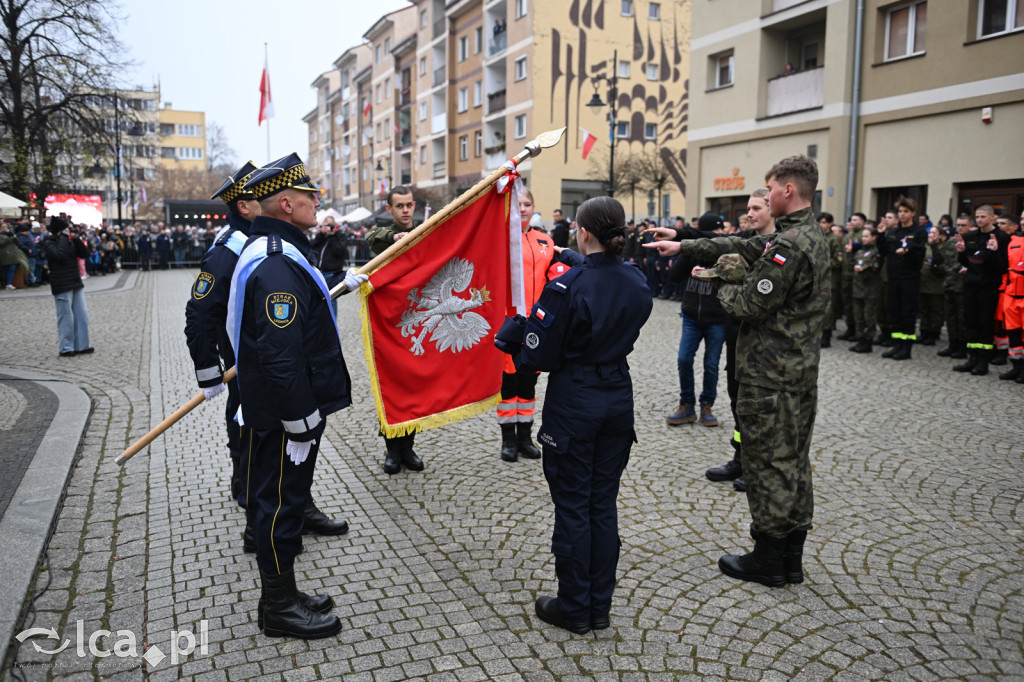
x,y
54,55
220,156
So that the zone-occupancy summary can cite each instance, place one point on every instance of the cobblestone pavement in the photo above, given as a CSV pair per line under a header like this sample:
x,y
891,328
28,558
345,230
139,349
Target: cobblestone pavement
x,y
914,569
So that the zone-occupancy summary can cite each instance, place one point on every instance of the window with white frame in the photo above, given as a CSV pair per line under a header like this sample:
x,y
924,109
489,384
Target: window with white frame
x,y
654,11
387,129
905,29
999,16
722,69
463,48
423,111
478,39
423,66
190,153
376,54
423,153
650,131
190,130
621,130
478,143
478,93
463,99
423,18
387,46
624,69
521,68
378,93
463,147
652,72
627,8
520,9
387,86
520,126
379,138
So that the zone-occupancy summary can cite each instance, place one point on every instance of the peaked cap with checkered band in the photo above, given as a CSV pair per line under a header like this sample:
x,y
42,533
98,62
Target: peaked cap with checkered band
x,y
286,172
231,190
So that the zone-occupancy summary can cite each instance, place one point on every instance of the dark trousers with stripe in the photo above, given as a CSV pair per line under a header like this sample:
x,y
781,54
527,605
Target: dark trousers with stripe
x,y
279,490
903,302
518,397
980,301
239,438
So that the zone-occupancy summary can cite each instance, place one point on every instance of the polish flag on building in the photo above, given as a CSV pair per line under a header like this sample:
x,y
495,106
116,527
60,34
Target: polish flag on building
x,y
383,186
588,142
429,317
366,109
142,194
266,104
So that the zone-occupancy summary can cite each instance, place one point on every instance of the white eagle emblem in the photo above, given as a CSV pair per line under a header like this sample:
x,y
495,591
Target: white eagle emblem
x,y
437,311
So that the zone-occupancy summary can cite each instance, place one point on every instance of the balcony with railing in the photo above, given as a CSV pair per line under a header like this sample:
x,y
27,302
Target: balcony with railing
x,y
440,169
439,76
798,91
440,27
495,101
439,123
497,44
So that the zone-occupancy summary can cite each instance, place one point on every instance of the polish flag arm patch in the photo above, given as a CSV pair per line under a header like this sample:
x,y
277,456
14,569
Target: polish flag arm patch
x,y
779,259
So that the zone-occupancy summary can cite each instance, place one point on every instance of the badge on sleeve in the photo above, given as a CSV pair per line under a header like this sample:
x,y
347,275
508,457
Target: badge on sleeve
x,y
203,285
532,340
281,309
765,286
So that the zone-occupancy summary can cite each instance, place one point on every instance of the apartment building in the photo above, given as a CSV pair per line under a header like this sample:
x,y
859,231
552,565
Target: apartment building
x,y
472,81
899,101
182,138
319,161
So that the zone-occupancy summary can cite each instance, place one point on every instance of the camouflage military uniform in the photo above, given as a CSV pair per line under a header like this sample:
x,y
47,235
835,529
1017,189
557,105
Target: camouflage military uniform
x,y
380,238
864,290
781,305
953,288
930,295
835,273
846,280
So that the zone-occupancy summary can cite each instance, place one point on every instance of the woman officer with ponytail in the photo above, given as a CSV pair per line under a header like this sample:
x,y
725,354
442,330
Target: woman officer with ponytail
x,y
580,331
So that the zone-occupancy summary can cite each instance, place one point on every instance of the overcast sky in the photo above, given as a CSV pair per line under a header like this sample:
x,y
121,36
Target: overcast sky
x,y
208,55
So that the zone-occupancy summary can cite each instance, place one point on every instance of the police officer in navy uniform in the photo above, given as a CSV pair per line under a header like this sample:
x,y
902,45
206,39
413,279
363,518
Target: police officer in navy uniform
x,y
581,330
291,376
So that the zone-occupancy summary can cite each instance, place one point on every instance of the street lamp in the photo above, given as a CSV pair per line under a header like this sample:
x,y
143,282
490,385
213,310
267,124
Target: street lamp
x,y
595,101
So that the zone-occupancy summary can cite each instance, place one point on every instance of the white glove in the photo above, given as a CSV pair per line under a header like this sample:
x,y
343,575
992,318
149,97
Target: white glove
x,y
298,452
353,279
214,391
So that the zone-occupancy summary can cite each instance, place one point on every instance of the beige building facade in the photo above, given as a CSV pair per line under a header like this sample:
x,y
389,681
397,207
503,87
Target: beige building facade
x,y
472,81
182,138
930,110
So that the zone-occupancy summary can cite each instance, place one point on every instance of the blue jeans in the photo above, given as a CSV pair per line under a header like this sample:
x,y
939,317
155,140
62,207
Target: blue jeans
x,y
9,274
72,320
714,338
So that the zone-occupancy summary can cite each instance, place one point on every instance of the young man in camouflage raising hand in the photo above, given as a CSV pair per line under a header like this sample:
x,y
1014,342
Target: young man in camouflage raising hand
x,y
780,300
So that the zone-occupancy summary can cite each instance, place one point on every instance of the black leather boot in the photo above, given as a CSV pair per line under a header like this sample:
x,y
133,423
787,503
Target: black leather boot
x,y
763,565
509,446
826,338
739,485
393,460
524,441
959,350
316,522
286,614
999,357
249,534
972,361
409,458
236,479
792,559
729,471
903,350
1018,367
547,610
980,368
893,350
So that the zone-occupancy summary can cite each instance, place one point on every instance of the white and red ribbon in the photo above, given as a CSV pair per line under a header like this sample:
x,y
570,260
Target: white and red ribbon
x,y
514,182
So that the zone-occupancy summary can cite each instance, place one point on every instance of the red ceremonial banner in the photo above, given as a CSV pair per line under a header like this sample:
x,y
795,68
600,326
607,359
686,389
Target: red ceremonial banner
x,y
429,317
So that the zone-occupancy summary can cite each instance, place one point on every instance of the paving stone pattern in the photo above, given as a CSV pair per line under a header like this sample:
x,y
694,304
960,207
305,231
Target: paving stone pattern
x,y
914,569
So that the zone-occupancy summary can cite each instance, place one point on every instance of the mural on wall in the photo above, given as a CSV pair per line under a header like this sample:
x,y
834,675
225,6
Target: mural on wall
x,y
574,78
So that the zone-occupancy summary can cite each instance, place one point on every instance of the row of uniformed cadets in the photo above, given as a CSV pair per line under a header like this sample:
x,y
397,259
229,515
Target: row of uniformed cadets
x,y
260,304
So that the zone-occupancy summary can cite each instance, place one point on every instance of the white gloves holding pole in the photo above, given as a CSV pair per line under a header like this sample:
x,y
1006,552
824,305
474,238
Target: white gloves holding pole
x,y
298,452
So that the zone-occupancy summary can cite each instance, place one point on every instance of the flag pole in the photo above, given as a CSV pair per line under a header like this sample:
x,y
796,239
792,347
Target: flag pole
x,y
267,62
533,148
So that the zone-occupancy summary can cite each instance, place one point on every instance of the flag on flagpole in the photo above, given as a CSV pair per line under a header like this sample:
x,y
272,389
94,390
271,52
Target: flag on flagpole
x,y
588,142
142,194
383,186
429,315
266,104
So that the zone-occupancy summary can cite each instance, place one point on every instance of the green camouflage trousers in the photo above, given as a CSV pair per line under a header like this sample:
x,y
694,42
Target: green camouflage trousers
x,y
775,428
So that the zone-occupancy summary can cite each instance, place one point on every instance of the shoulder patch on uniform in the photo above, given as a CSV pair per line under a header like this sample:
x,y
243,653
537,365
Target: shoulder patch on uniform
x,y
532,340
203,286
765,286
281,309
779,259
274,244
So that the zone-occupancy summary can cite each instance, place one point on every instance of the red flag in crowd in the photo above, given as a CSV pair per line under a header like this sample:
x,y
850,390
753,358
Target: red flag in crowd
x,y
429,318
266,104
588,142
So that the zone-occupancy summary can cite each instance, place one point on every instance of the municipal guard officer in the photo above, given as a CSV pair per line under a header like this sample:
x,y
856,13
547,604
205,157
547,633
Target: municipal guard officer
x,y
206,311
581,330
291,375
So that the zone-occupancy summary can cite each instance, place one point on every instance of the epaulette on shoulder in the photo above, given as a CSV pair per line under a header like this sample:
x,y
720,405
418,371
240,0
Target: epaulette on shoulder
x,y
562,283
223,238
274,245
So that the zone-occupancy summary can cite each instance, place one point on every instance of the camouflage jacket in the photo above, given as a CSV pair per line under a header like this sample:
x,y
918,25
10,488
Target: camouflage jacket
x,y
835,258
867,282
948,259
380,238
931,272
781,302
